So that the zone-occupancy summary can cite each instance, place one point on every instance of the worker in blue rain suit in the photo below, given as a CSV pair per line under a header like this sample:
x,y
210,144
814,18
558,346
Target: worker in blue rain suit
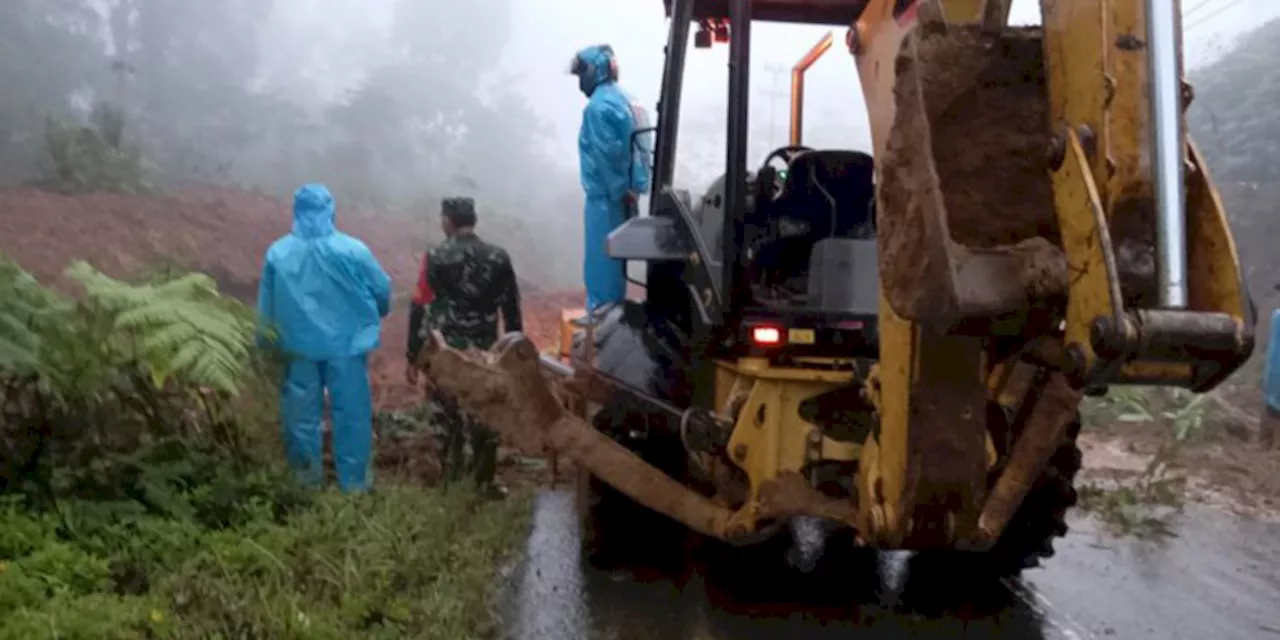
x,y
324,294
614,172
1269,428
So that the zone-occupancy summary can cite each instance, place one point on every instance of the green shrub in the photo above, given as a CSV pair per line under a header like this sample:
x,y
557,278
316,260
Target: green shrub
x,y
402,563
22,533
98,616
141,493
94,386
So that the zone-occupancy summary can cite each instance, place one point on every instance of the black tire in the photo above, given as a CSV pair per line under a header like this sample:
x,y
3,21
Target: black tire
x,y
594,518
616,531
1042,518
637,349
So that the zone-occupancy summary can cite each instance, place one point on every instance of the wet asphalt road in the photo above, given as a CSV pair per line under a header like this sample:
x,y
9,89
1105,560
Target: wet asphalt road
x,y
1218,579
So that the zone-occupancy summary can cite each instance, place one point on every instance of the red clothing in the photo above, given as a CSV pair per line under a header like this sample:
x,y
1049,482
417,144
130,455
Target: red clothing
x,y
423,294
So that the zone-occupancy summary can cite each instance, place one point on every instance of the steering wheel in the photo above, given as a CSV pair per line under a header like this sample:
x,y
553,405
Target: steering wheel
x,y
787,153
770,180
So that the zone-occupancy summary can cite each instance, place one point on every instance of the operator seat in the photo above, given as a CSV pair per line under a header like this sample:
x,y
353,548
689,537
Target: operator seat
x,y
827,194
834,189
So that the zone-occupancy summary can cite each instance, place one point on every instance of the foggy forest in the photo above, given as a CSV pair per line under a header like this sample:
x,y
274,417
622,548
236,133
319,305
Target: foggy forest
x,y
404,103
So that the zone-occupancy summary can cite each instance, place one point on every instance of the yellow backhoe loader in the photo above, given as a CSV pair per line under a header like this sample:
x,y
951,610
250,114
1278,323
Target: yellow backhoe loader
x,y
898,346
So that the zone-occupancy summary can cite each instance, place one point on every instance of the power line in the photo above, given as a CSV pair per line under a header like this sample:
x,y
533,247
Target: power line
x,y
1203,3
1206,18
777,72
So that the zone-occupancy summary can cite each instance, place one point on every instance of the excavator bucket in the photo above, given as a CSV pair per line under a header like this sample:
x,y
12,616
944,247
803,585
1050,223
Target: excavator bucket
x,y
962,131
1012,179
1017,201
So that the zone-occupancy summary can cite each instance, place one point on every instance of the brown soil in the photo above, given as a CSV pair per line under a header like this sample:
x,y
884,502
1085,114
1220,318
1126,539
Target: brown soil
x,y
222,232
416,459
968,149
987,105
1221,469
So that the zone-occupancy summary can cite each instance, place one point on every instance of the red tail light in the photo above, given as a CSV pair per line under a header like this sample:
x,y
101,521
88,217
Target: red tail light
x,y
766,336
722,31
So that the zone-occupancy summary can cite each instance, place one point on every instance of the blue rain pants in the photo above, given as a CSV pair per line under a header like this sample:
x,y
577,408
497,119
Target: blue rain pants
x,y
606,278
1271,367
351,406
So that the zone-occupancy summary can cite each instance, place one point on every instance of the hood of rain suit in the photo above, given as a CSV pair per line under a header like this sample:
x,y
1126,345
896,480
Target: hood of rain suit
x,y
322,290
593,67
313,211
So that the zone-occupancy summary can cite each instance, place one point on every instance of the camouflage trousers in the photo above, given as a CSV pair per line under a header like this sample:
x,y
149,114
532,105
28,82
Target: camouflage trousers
x,y
461,429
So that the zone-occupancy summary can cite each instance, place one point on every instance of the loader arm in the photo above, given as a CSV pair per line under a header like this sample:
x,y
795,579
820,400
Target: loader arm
x,y
522,395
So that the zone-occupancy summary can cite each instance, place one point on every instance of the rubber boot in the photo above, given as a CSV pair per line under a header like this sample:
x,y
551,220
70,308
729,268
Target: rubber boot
x,y
454,450
484,444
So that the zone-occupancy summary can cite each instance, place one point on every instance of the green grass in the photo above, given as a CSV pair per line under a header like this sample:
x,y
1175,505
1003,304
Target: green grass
x,y
402,563
143,495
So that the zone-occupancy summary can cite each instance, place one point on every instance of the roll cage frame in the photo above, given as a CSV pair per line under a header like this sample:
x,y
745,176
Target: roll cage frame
x,y
716,284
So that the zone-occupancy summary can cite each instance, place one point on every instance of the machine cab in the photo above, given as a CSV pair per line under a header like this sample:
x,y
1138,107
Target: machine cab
x,y
814,228
791,243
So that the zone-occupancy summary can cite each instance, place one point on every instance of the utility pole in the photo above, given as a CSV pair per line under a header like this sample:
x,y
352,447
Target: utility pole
x,y
774,94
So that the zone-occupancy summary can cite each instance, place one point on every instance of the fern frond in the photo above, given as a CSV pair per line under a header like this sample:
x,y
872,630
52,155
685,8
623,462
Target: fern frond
x,y
180,327
16,331
25,307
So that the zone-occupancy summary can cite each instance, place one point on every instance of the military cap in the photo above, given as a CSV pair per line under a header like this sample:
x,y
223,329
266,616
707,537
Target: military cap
x,y
460,211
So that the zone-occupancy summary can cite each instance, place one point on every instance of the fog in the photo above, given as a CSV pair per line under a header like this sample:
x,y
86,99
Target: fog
x,y
396,103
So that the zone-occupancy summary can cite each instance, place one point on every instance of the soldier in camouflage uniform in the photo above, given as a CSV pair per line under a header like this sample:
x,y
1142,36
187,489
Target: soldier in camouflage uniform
x,y
469,282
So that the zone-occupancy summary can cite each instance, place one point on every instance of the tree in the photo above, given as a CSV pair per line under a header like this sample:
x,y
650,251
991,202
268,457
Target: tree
x,y
1234,109
47,51
1233,122
186,67
422,122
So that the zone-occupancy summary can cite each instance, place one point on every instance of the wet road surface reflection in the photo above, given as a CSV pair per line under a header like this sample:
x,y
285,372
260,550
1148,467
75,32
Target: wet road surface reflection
x,y
1217,580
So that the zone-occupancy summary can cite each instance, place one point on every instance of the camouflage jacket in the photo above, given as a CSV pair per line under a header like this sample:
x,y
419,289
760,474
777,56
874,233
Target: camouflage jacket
x,y
472,281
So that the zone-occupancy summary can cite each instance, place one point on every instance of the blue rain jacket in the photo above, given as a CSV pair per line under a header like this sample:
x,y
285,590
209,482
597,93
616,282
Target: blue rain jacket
x,y
1271,368
322,289
610,167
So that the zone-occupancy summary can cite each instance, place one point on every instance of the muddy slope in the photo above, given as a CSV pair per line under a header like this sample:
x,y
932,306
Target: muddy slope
x,y
225,233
